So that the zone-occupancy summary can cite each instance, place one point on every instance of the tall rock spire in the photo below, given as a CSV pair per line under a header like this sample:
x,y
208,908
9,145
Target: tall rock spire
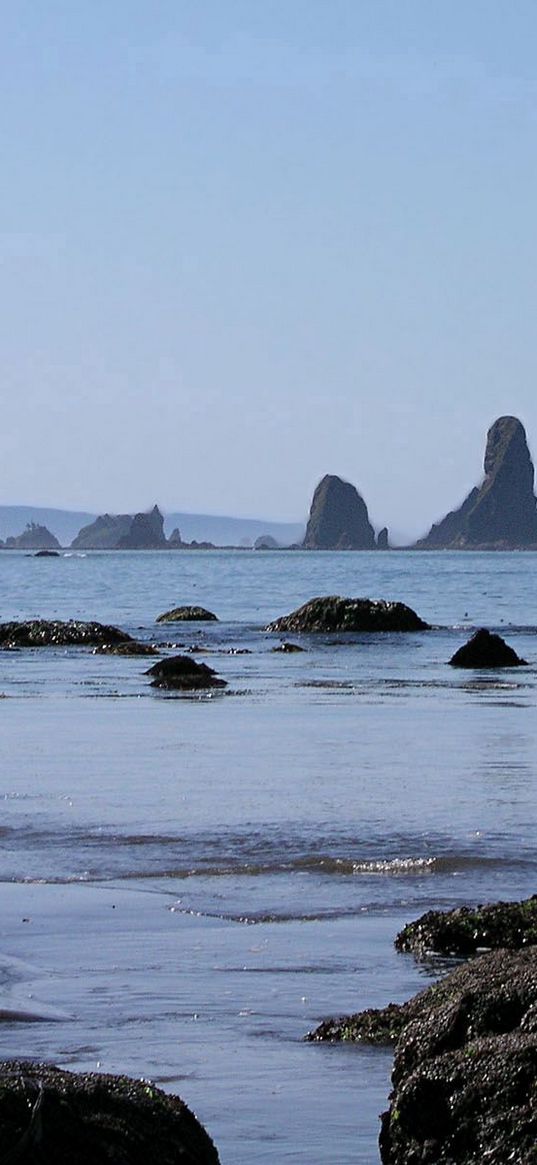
x,y
502,512
338,518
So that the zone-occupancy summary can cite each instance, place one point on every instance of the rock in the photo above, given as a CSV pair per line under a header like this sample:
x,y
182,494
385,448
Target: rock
x,y
182,673
465,1064
175,540
501,513
338,518
333,613
104,533
382,539
54,633
266,542
185,614
34,537
464,931
46,554
486,650
146,532
54,1117
465,1069
288,648
132,648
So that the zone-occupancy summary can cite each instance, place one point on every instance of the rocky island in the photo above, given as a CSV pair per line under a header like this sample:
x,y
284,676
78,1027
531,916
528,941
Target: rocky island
x,y
501,513
338,518
34,537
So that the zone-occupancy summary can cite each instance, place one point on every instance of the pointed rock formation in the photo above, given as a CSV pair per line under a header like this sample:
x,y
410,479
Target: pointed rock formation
x,y
501,514
146,532
338,518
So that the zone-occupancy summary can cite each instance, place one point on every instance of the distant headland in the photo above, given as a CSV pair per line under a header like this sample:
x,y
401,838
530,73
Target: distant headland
x,y
498,514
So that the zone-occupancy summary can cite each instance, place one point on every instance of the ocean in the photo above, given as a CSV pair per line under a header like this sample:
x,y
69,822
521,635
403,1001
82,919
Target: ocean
x,y
189,884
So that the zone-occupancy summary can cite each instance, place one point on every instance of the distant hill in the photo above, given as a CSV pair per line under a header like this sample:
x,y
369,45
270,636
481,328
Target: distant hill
x,y
223,531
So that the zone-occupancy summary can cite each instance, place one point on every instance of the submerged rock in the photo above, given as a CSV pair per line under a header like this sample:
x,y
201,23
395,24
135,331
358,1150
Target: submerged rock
x,y
53,1117
131,648
465,930
55,633
338,518
333,613
288,648
46,554
501,513
486,650
182,673
184,614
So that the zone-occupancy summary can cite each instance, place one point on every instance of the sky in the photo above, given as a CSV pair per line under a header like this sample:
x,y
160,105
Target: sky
x,y
246,244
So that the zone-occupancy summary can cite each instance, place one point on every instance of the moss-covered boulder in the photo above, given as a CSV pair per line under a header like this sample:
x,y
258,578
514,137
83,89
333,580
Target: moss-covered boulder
x,y
186,615
52,1117
56,633
466,930
334,613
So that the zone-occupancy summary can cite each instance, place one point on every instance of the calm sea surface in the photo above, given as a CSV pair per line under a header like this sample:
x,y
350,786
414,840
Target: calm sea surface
x,y
188,885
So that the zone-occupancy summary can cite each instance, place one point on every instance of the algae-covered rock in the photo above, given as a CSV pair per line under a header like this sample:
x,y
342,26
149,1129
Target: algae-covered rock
x,y
182,673
334,613
186,614
486,650
464,931
52,1117
56,633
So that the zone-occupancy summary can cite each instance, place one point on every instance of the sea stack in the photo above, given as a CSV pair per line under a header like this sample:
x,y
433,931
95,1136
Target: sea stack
x,y
501,514
146,532
338,518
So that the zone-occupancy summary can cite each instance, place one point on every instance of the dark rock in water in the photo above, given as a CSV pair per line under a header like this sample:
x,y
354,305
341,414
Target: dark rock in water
x,y
52,1117
266,542
486,650
501,513
34,537
465,1069
185,614
338,518
54,633
465,1065
382,539
288,648
182,673
333,613
146,532
175,540
104,533
131,648
46,554
466,930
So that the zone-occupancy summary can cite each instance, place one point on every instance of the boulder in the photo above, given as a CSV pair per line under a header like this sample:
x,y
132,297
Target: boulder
x,y
333,613
55,633
466,929
182,673
338,518
501,513
465,1069
288,648
186,614
486,650
465,1064
131,648
46,554
50,1116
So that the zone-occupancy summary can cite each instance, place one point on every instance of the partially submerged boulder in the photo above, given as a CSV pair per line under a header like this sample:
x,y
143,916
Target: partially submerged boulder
x,y
182,673
288,648
465,1069
466,930
56,633
53,1117
486,650
186,614
131,648
333,613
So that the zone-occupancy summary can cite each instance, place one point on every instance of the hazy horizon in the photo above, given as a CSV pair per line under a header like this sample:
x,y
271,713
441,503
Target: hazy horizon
x,y
244,246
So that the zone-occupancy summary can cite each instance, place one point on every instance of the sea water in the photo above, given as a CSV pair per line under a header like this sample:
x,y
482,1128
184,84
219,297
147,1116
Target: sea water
x,y
189,884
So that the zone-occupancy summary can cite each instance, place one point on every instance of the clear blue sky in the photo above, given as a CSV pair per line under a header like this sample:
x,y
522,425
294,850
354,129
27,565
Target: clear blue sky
x,y
245,244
